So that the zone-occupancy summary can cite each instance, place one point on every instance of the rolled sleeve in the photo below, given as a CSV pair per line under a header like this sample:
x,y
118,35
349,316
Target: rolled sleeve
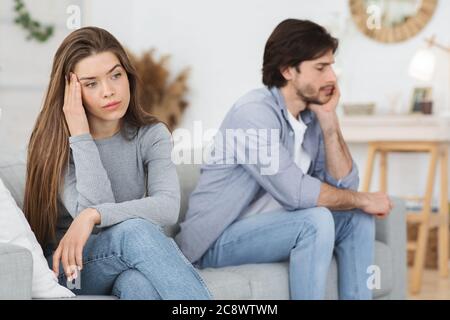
x,y
309,192
350,181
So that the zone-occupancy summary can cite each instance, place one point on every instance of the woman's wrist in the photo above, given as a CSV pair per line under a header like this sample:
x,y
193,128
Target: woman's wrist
x,y
92,215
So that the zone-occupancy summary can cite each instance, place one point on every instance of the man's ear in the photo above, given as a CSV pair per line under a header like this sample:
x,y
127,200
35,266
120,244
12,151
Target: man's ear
x,y
287,73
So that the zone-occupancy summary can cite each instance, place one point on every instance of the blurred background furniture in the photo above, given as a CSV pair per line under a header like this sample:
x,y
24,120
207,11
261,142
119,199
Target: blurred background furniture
x,y
410,134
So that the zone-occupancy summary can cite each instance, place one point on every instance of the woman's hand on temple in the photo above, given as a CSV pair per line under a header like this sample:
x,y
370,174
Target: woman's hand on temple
x,y
70,248
73,109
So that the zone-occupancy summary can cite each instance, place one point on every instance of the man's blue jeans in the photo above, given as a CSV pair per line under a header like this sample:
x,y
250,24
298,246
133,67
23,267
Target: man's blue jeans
x,y
307,238
136,260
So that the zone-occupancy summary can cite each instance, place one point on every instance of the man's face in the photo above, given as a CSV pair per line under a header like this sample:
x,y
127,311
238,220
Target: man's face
x,y
314,80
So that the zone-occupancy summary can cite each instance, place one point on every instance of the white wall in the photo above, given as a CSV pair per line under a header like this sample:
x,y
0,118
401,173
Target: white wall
x,y
223,42
25,68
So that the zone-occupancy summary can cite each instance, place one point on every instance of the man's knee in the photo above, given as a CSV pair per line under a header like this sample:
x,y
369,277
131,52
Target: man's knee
x,y
320,222
364,221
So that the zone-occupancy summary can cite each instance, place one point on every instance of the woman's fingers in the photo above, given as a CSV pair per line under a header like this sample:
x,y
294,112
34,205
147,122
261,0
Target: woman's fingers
x,y
56,258
78,102
66,90
69,94
65,261
74,91
72,261
79,256
74,111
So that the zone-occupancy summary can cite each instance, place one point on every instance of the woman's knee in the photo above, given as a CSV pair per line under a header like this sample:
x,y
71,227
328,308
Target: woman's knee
x,y
132,284
135,225
135,228
137,232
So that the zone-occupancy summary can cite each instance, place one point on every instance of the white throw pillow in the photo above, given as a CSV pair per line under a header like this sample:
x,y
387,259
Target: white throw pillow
x,y
14,229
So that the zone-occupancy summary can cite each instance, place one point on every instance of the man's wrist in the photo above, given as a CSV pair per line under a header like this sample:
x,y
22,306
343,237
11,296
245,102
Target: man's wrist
x,y
329,123
359,200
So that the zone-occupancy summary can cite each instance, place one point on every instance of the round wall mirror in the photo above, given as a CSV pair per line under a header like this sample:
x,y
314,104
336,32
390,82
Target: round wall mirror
x,y
392,21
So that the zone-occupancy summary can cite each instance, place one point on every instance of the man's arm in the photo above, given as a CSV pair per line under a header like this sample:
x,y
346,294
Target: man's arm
x,y
337,155
376,203
339,164
291,187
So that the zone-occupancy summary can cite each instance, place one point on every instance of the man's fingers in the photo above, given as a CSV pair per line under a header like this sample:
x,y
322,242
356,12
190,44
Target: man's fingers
x,y
337,91
381,216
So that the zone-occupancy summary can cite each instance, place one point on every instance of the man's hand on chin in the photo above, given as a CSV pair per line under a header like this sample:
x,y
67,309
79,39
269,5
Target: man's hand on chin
x,y
328,107
326,113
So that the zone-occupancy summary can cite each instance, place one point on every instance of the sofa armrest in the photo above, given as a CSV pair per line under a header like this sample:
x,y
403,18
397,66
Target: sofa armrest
x,y
392,232
16,272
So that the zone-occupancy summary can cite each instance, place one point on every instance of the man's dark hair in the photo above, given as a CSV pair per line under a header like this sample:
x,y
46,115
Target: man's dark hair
x,y
292,42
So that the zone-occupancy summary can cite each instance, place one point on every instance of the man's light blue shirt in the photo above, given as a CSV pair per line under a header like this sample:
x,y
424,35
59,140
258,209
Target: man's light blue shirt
x,y
226,188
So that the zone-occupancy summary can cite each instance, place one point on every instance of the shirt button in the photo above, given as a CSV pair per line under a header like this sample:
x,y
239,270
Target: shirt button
x,y
291,133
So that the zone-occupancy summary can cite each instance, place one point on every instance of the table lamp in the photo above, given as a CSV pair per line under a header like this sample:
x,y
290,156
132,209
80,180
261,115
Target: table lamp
x,y
423,64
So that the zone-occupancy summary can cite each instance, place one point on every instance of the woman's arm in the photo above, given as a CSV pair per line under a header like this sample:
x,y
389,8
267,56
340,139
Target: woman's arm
x,y
86,182
162,203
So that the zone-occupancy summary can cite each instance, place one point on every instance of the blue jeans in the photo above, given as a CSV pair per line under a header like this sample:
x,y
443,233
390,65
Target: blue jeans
x,y
136,260
307,238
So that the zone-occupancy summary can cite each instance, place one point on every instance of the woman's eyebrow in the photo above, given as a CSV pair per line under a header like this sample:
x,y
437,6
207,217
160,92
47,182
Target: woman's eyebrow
x,y
92,78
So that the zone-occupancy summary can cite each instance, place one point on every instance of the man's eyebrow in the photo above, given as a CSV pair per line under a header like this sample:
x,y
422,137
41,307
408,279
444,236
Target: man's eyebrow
x,y
325,63
92,78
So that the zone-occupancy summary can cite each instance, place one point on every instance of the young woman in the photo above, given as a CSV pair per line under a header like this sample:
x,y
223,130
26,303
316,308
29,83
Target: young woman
x,y
100,182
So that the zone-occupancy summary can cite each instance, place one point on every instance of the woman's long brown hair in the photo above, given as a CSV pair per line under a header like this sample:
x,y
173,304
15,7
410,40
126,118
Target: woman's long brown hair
x,y
48,148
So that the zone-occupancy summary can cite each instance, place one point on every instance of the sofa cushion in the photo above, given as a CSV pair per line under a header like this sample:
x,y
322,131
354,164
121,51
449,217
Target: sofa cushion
x,y
12,172
15,230
226,285
16,270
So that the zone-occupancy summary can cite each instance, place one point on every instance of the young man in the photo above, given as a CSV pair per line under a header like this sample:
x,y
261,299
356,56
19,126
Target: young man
x,y
305,207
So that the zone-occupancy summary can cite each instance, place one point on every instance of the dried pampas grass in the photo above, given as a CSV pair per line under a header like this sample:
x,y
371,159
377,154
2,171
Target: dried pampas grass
x,y
159,96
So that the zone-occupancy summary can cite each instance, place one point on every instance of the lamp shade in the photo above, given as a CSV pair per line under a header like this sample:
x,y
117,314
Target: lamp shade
x,y
422,65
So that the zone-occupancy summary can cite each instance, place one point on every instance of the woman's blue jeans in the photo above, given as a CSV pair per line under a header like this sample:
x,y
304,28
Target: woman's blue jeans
x,y
136,260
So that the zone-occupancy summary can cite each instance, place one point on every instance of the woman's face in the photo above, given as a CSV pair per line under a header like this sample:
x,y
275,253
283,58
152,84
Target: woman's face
x,y
104,86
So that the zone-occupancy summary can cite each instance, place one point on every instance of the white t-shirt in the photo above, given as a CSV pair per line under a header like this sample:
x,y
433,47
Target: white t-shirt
x,y
266,202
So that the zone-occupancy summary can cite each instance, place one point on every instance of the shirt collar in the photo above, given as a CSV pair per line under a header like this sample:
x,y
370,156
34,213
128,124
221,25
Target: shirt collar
x,y
306,114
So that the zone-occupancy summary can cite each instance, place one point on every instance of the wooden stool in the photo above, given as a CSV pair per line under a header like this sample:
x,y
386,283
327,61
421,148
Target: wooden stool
x,y
424,219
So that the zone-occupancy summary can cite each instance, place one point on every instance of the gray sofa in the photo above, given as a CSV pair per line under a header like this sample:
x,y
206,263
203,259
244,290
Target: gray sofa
x,y
253,281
